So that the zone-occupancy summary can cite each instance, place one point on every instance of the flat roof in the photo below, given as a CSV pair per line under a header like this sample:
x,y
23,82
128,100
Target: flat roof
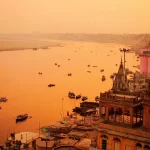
x,y
25,137
77,133
41,143
84,143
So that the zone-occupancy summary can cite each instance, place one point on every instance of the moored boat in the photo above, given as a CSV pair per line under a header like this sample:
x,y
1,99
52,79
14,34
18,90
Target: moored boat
x,y
84,98
3,99
89,71
21,117
50,85
71,95
78,96
69,74
112,76
103,78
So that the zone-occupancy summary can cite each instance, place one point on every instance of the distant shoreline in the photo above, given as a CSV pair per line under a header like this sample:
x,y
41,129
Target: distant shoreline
x,y
16,44
13,45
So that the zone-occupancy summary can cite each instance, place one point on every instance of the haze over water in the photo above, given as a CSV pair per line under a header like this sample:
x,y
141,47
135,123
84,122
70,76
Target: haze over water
x,y
27,91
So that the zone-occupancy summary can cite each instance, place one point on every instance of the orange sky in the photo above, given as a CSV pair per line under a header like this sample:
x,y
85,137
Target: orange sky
x,y
75,16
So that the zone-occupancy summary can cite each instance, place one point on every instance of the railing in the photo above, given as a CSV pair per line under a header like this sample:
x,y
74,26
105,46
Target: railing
x,y
125,98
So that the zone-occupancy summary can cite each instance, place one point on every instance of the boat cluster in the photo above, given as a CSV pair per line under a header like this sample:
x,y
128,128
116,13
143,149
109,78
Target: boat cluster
x,y
57,65
72,95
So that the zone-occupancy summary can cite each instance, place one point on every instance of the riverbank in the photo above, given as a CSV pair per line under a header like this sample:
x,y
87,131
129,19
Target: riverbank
x,y
13,45
10,42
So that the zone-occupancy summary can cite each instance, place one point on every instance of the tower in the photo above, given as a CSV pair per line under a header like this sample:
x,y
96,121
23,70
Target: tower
x,y
120,82
145,60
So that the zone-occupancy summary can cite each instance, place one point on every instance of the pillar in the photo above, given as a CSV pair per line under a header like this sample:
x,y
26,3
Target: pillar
x,y
131,116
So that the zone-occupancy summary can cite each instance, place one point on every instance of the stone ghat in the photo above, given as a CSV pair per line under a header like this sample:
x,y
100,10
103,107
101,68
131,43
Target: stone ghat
x,y
136,132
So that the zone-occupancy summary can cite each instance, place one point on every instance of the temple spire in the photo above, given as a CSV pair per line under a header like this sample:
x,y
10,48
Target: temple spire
x,y
121,59
120,82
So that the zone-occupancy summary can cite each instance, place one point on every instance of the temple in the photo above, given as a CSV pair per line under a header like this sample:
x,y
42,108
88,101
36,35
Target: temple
x,y
120,82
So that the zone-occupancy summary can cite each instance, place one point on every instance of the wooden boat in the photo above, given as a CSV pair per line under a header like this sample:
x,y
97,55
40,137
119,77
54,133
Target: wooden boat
x,y
84,98
69,74
3,99
89,71
78,96
71,95
51,85
111,76
21,117
103,78
34,48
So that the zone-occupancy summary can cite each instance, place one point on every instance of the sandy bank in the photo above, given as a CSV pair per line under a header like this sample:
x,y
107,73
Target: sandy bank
x,y
11,45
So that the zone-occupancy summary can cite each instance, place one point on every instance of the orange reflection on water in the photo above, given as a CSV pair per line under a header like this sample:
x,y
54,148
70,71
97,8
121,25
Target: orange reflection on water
x,y
27,91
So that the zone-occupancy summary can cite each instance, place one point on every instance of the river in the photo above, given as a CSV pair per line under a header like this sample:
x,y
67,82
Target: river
x,y
27,91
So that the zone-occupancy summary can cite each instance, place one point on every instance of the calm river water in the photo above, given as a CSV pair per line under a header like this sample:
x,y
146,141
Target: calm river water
x,y
27,91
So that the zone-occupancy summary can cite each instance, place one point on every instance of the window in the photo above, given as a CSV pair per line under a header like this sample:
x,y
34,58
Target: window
x,y
138,146
128,147
146,147
117,145
104,136
104,144
103,111
146,52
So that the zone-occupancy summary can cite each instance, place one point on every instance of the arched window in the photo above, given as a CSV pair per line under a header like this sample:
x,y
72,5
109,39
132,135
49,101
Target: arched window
x,y
138,146
103,110
117,140
111,114
104,136
117,144
119,111
146,147
119,115
126,114
104,142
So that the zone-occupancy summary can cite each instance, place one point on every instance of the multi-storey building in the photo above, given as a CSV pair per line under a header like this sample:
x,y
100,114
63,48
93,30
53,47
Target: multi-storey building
x,y
124,117
145,60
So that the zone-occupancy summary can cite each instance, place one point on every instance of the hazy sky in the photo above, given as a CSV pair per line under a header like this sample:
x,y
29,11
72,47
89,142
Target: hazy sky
x,y
75,16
